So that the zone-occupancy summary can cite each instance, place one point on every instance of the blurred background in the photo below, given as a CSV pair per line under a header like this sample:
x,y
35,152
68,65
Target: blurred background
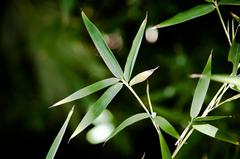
x,y
46,54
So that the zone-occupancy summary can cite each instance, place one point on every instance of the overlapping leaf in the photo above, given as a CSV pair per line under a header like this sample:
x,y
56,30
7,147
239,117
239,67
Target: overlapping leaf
x,y
214,132
141,76
234,80
102,47
134,51
192,13
52,151
97,108
210,118
166,154
129,121
201,90
166,126
234,56
88,90
229,2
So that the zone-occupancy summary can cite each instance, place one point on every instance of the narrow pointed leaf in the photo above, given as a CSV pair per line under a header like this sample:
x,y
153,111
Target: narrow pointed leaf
x,y
166,126
214,132
97,108
166,154
134,51
201,90
234,56
234,80
141,77
192,13
102,47
229,2
129,121
210,1
88,90
52,151
210,118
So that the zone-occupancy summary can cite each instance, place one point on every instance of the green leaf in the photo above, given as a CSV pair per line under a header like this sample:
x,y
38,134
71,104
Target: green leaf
x,y
88,90
192,13
214,132
102,47
210,1
52,151
141,76
134,51
129,121
166,126
234,80
201,90
234,56
229,2
97,108
166,154
209,118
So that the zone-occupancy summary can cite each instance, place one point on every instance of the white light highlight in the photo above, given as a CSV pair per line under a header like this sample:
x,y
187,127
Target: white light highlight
x,y
151,35
99,133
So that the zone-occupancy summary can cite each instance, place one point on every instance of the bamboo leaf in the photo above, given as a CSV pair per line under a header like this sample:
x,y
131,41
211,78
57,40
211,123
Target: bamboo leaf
x,y
97,108
141,76
210,118
214,132
234,80
53,149
129,121
134,51
166,126
229,2
210,1
201,90
234,56
102,47
166,154
88,90
192,13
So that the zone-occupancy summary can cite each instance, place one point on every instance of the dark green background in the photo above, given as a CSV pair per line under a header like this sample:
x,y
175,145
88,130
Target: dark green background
x,y
47,54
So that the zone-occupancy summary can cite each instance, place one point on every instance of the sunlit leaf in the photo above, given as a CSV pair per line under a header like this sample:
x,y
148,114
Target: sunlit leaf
x,y
102,47
201,90
88,90
214,132
234,80
97,108
166,154
192,13
141,76
209,118
229,2
129,121
234,56
134,51
52,151
166,126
